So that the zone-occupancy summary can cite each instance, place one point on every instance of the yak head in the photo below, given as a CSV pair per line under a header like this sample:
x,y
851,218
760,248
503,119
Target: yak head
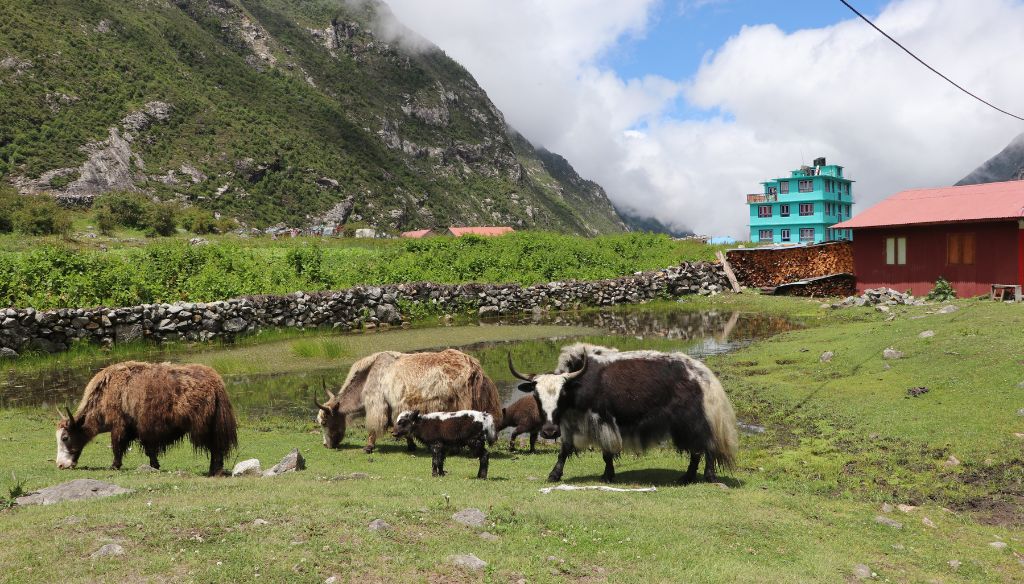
x,y
71,439
551,391
331,420
405,423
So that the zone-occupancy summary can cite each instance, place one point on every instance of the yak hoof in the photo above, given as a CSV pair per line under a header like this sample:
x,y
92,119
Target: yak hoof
x,y
608,478
368,449
686,479
554,478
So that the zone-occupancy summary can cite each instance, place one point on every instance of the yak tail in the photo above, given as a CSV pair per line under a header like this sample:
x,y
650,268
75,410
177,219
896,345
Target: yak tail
x,y
485,395
225,427
722,420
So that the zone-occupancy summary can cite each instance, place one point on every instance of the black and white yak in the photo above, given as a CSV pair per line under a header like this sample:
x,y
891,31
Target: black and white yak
x,y
444,431
634,399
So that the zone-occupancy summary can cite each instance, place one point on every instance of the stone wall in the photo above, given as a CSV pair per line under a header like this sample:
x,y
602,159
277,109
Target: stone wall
x,y
53,331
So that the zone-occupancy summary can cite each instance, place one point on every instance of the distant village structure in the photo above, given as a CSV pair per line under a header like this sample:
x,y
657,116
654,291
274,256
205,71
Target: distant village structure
x,y
973,236
803,207
481,231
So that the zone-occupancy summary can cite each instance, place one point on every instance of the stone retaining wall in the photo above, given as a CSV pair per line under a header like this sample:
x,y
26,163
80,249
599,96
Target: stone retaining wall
x,y
53,331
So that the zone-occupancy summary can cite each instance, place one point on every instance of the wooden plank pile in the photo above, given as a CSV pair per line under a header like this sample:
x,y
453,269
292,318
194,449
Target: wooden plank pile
x,y
772,267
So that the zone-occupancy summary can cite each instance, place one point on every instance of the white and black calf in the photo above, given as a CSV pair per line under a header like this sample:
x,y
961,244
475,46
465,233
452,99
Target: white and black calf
x,y
633,400
445,431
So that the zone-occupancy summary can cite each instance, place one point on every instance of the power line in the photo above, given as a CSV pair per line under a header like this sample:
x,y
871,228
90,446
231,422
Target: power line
x,y
932,69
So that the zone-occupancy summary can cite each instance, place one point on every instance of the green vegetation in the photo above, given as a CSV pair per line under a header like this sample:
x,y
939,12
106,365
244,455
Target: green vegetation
x,y
942,291
60,276
31,216
274,137
842,437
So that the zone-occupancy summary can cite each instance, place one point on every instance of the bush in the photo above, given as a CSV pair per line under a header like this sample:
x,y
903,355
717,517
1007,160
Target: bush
x,y
105,221
942,291
41,216
127,209
199,221
161,220
10,200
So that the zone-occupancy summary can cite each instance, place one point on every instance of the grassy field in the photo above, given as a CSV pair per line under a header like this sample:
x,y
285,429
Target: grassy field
x,y
842,438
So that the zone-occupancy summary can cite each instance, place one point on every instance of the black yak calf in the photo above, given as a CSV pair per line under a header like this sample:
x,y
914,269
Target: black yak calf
x,y
523,417
155,403
444,431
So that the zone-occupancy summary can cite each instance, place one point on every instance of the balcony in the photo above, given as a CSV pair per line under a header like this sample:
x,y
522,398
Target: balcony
x,y
762,198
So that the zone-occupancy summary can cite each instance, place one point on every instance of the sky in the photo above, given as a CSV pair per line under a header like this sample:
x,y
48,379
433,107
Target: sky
x,y
681,107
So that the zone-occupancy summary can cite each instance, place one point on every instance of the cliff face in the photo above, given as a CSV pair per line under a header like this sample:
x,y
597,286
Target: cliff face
x,y
270,110
1007,165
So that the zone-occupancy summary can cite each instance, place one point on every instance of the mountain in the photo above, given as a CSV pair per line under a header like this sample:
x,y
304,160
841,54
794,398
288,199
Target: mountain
x,y
1007,165
649,224
296,111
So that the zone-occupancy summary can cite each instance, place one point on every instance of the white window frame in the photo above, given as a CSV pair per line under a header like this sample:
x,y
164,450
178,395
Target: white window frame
x,y
762,232
803,233
804,206
784,187
806,186
761,211
783,210
784,235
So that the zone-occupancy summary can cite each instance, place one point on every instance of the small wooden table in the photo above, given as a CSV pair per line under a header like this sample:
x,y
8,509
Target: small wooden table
x,y
999,291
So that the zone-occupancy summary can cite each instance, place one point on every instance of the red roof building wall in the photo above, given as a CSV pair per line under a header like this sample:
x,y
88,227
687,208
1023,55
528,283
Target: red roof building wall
x,y
999,257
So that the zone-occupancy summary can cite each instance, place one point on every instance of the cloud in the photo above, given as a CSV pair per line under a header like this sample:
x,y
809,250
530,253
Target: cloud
x,y
841,91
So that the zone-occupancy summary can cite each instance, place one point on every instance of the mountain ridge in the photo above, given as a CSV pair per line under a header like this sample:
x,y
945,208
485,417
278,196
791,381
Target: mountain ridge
x,y
1007,165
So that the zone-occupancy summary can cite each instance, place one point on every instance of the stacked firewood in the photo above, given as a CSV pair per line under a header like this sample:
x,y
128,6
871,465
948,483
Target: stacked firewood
x,y
771,267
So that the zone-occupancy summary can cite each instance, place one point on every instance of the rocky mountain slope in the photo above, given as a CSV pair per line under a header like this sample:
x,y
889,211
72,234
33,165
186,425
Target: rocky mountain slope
x,y
296,111
1007,165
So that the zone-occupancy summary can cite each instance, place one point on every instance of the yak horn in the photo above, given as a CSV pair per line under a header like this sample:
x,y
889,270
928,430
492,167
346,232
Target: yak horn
x,y
61,414
71,417
330,394
320,406
515,373
578,372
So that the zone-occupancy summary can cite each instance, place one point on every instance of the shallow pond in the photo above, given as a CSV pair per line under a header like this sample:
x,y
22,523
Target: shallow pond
x,y
275,374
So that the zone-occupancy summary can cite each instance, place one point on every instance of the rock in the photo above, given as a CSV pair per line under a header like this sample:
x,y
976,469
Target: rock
x,y
292,462
951,461
486,311
929,523
468,561
470,517
146,468
331,580
954,564
886,508
891,353
260,522
235,325
352,476
8,353
107,551
488,536
916,391
948,309
750,428
76,490
999,545
379,525
198,241
826,356
882,308
388,313
861,572
249,467
882,519
126,333
926,334
1020,412
906,508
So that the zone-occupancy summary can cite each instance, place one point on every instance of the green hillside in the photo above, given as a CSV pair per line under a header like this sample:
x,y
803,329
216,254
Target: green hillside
x,y
269,111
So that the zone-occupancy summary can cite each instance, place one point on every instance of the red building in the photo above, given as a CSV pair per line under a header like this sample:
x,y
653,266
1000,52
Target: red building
x,y
973,236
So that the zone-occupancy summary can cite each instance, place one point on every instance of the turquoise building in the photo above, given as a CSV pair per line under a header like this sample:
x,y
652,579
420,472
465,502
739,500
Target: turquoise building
x,y
803,207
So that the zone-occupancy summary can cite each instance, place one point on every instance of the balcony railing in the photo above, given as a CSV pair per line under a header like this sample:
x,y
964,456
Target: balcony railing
x,y
762,198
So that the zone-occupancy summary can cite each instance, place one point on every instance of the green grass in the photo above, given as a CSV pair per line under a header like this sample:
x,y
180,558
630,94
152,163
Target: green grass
x,y
841,439
51,276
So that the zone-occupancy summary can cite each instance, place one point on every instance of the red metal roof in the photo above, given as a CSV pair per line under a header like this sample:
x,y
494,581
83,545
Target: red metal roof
x,y
416,234
485,231
985,202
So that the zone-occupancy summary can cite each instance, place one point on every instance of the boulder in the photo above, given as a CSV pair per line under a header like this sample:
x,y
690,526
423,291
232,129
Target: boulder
x,y
891,353
235,325
76,490
826,356
292,462
379,525
249,467
468,561
471,517
8,353
883,520
107,551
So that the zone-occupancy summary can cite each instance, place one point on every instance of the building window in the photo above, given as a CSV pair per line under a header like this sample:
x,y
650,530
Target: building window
x,y
784,235
773,190
783,210
784,187
806,209
806,235
806,186
764,235
960,249
764,211
896,251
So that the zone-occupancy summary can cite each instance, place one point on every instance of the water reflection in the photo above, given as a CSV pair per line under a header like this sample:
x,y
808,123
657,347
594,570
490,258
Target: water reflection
x,y
697,333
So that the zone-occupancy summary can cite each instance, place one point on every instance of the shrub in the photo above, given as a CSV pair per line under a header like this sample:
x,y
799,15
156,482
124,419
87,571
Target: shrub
x,y
10,200
105,221
41,216
160,220
127,209
942,291
199,221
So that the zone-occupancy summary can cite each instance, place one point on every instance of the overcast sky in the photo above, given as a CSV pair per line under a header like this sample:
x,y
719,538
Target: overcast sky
x,y
681,107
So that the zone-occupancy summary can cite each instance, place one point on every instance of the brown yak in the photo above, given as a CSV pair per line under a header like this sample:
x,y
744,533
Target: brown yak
x,y
156,404
387,383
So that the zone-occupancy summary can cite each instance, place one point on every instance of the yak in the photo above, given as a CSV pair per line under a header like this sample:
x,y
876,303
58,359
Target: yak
x,y
445,431
156,404
383,384
523,417
634,399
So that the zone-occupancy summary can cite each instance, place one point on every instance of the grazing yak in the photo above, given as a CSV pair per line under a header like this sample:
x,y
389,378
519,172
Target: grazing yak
x,y
156,404
386,383
634,399
523,417
443,431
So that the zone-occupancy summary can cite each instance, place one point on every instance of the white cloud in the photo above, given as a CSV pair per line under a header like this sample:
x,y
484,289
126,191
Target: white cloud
x,y
842,91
